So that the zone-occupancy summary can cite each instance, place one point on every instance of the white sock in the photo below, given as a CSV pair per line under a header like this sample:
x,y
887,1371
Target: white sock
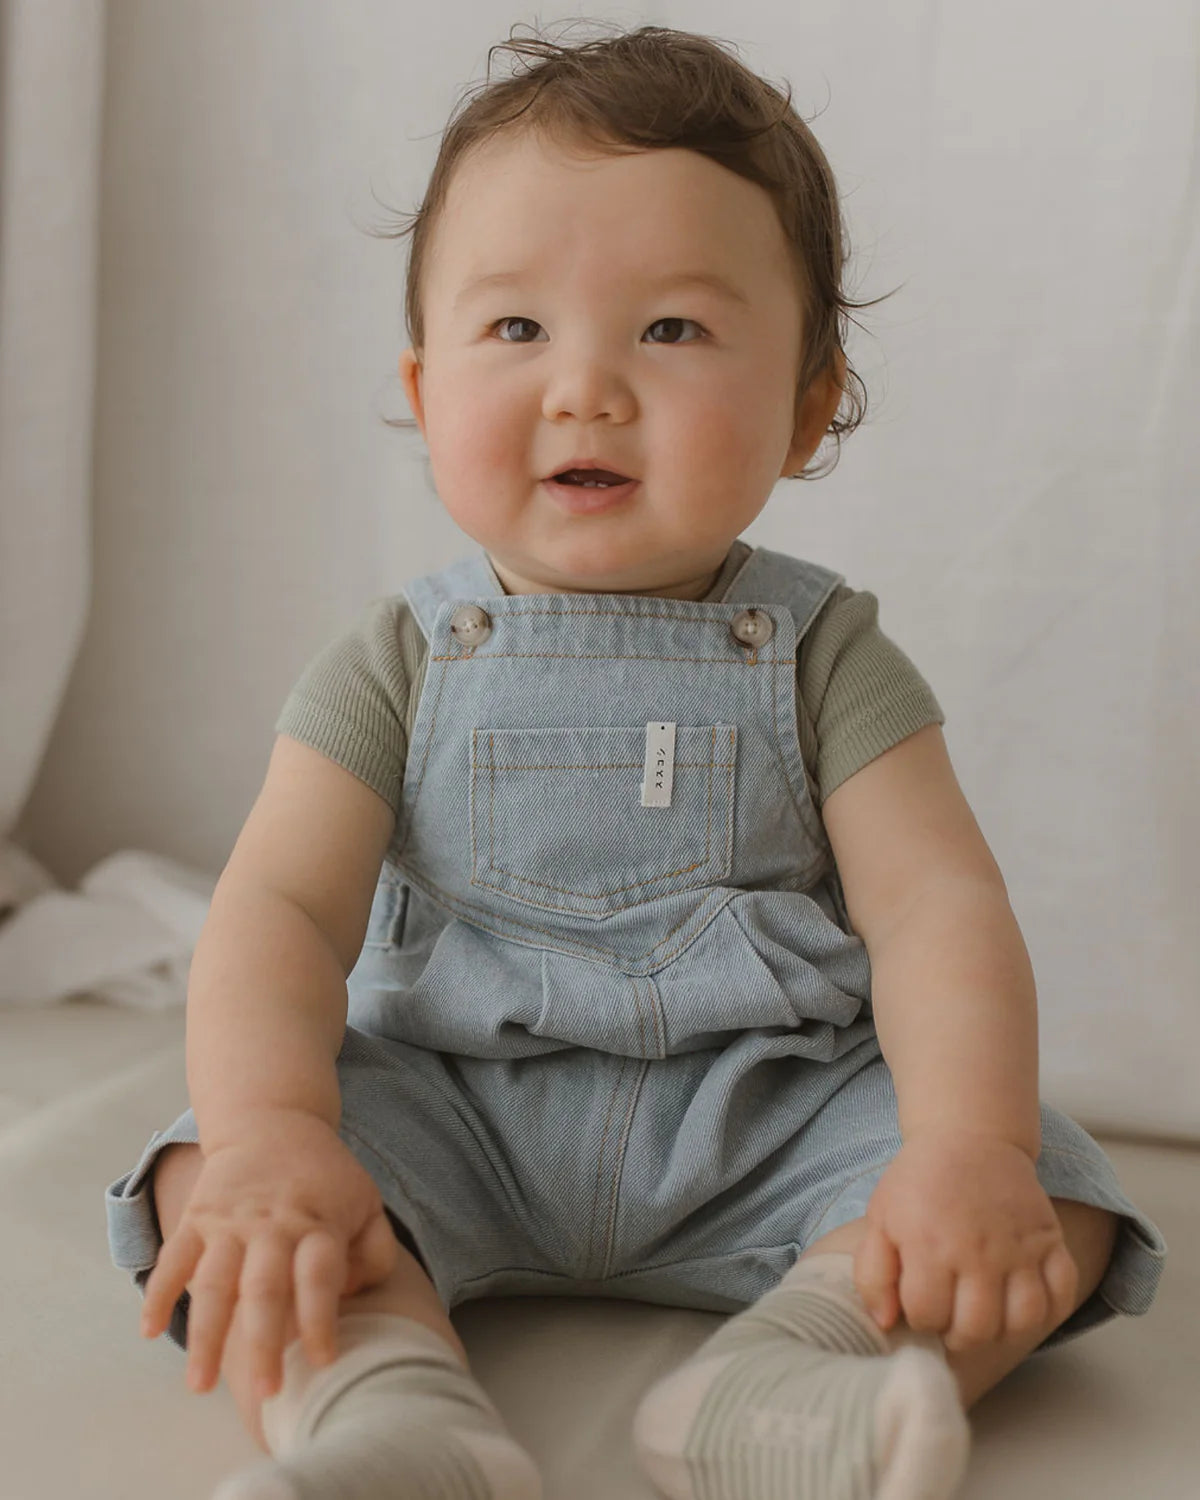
x,y
397,1416
802,1396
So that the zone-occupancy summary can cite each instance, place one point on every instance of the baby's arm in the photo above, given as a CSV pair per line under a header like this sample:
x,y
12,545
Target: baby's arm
x,y
267,1002
959,1233
952,986
281,1211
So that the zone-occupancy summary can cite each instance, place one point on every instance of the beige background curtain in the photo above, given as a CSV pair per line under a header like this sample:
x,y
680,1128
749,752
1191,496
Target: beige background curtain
x,y
51,75
1022,497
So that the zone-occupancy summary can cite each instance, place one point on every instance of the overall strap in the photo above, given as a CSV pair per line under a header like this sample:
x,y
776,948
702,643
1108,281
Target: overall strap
x,y
769,577
470,577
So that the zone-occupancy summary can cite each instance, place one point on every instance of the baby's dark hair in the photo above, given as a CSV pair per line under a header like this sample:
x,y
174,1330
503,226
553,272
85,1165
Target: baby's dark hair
x,y
655,88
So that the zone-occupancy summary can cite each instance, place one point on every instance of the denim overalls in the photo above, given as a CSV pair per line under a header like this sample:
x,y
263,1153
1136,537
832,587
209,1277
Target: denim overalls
x,y
610,1033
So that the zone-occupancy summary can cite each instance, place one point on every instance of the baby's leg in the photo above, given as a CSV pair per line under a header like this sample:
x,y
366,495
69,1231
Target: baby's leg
x,y
792,1395
1090,1234
397,1413
408,1291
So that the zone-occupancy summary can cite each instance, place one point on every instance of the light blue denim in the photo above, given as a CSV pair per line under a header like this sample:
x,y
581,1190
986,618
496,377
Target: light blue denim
x,y
601,1048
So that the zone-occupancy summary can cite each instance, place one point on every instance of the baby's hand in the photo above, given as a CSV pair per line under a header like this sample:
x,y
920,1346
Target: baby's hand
x,y
963,1240
286,1212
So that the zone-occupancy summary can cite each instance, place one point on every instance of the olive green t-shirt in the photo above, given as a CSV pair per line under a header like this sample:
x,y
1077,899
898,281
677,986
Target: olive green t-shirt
x,y
857,695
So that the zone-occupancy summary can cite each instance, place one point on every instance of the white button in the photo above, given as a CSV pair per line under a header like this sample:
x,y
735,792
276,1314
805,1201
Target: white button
x,y
752,627
470,624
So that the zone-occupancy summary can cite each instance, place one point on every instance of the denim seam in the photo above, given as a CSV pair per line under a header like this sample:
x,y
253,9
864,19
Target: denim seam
x,y
688,1260
637,1000
805,814
660,1020
612,1099
429,738
751,660
654,1003
716,620
619,1166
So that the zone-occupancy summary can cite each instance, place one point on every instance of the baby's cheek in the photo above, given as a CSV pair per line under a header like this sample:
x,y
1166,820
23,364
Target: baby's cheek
x,y
737,445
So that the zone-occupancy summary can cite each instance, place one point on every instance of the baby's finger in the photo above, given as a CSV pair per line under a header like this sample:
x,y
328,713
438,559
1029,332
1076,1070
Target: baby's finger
x,y
320,1272
214,1295
978,1311
176,1261
876,1272
1062,1277
926,1294
1026,1302
266,1298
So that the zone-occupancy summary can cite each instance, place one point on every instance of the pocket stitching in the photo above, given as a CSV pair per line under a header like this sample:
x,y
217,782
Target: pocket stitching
x,y
711,764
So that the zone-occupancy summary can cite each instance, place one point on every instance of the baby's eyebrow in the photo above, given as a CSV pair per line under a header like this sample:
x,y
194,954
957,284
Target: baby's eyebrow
x,y
712,280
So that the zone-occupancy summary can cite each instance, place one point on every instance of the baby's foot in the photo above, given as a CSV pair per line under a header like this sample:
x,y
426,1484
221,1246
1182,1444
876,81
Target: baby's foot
x,y
798,1398
395,1417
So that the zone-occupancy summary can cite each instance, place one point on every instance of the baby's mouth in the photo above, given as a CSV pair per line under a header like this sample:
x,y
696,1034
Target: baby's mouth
x,y
591,478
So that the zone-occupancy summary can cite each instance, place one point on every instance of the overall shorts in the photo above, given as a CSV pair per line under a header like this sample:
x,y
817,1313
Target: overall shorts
x,y
610,1032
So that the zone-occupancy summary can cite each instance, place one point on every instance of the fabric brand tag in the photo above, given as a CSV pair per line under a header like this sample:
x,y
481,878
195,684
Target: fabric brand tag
x,y
659,771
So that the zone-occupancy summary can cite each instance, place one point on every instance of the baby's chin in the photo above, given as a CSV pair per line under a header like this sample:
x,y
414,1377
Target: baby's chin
x,y
582,575
649,589
605,564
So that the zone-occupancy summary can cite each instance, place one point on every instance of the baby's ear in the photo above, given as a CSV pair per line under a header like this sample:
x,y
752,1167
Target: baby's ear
x,y
815,411
410,376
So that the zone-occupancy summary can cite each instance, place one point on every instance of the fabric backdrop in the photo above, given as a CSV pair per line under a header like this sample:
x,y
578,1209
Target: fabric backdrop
x,y
1022,496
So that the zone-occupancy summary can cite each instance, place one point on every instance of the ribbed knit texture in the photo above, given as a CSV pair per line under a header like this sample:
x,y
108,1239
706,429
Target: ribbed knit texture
x,y
858,693
397,1416
800,1397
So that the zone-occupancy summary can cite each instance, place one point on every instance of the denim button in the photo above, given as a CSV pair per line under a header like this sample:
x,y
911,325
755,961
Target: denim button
x,y
752,627
470,624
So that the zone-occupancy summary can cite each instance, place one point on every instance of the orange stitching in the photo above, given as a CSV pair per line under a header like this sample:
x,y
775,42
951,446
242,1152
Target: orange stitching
x,y
587,765
582,895
742,660
491,804
712,745
729,793
655,1012
615,614
616,890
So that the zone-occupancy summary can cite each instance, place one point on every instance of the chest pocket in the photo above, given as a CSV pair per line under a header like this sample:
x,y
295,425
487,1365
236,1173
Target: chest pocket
x,y
557,819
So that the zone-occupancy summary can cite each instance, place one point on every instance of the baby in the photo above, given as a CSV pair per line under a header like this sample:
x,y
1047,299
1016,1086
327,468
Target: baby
x,y
610,921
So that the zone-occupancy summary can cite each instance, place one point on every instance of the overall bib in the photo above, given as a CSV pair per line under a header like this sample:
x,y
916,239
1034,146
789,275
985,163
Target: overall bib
x,y
610,1033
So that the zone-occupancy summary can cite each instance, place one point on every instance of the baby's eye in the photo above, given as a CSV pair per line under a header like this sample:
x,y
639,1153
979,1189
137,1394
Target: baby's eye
x,y
502,321
658,323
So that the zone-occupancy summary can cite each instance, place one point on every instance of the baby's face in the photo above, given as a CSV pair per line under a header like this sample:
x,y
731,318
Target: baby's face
x,y
590,351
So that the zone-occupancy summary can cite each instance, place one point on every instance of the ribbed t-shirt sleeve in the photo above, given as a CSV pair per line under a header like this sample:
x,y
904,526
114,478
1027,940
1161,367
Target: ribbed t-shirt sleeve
x,y
352,700
859,693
